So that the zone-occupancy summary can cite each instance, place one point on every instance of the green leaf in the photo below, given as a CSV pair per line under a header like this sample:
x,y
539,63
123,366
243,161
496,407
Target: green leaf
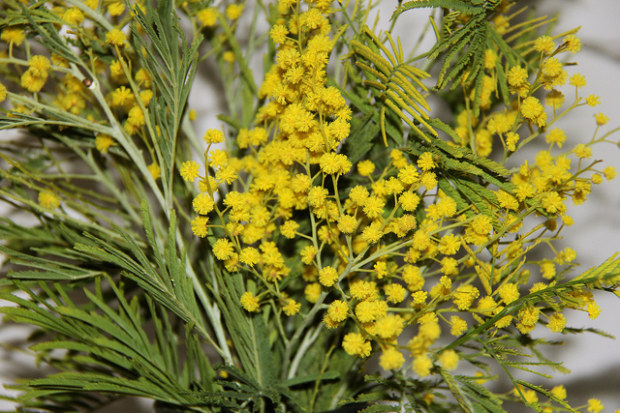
x,y
247,332
458,5
311,378
378,408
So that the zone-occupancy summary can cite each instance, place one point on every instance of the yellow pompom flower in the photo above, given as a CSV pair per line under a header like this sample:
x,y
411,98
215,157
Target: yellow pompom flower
x,y
14,35
115,37
595,406
155,170
199,226
391,359
544,44
249,256
307,254
557,322
533,111
601,119
73,16
609,172
288,229
409,201
312,292
116,8
249,302
449,360
556,136
582,151
189,170
207,17
365,167
395,293
577,80
464,296
573,43
508,292
338,311
203,203
459,326
222,249
278,33
103,143
328,276
347,224
213,136
233,11
355,345
291,307
3,92
425,161
559,392
593,100
48,199
422,365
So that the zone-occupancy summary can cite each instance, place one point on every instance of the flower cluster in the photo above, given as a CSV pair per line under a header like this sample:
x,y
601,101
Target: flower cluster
x,y
334,208
392,248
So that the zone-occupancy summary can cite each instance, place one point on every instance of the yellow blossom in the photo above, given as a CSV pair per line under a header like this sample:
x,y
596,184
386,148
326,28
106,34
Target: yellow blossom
x,y
291,307
328,276
365,167
115,37
533,111
459,326
104,142
338,310
508,292
213,136
573,43
13,35
395,293
249,302
391,359
222,249
593,100
422,365
595,406
544,44
582,151
559,392
557,322
189,170
199,226
48,199
233,11
203,203
601,119
207,17
307,254
449,360
312,292
425,161
155,170
556,136
73,16
355,345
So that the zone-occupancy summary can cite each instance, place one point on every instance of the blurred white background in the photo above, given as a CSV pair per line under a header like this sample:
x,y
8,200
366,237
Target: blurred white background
x,y
594,360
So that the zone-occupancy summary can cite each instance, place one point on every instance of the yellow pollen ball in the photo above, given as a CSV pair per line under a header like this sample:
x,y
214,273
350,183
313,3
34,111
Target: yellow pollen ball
x,y
449,360
249,302
48,199
391,359
328,276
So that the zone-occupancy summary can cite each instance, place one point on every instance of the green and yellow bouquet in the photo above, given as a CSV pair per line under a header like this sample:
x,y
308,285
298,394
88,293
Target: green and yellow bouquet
x,y
363,230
